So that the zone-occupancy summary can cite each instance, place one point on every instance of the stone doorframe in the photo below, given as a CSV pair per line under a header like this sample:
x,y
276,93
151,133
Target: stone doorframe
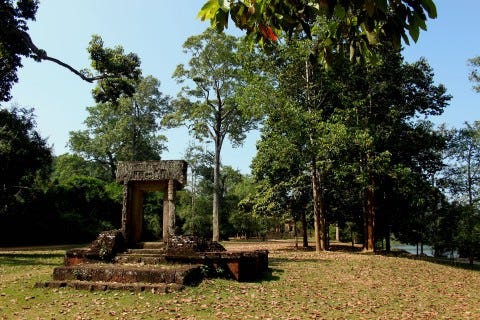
x,y
138,177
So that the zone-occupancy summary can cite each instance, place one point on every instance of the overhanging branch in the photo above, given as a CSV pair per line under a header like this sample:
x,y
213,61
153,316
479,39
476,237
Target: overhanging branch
x,y
42,55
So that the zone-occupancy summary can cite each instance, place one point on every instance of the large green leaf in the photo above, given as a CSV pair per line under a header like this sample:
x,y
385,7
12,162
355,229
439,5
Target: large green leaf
x,y
430,7
209,10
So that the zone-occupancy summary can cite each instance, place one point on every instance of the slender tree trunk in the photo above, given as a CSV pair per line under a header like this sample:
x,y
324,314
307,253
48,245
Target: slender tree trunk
x,y
303,218
369,220
216,194
388,246
295,233
111,164
318,210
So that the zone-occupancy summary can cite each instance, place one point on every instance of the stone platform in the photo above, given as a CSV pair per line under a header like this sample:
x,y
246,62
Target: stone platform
x,y
155,266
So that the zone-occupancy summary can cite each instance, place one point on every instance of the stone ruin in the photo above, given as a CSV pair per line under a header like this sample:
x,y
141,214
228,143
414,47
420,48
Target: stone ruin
x,y
118,259
147,176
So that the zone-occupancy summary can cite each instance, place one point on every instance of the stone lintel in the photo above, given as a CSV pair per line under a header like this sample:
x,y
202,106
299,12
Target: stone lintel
x,y
143,171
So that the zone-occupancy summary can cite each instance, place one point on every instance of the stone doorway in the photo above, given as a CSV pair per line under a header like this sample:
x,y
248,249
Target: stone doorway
x,y
140,177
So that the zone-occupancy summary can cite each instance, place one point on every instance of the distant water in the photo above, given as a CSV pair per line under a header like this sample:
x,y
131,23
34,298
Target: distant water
x,y
413,249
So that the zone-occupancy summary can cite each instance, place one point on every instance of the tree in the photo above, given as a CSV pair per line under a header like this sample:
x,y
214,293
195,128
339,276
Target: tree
x,y
114,70
208,105
123,131
391,146
300,137
68,165
281,172
195,208
462,180
25,165
474,74
25,157
462,176
79,207
241,216
358,25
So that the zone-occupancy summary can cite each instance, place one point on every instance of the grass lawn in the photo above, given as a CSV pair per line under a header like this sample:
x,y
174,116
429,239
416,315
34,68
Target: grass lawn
x,y
303,285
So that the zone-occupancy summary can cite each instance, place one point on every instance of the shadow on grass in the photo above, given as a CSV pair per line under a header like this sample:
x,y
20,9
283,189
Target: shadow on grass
x,y
26,259
269,276
345,248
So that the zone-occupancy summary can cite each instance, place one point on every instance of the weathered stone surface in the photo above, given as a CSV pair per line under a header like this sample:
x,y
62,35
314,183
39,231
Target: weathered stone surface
x,y
107,245
181,274
182,245
241,266
102,286
152,171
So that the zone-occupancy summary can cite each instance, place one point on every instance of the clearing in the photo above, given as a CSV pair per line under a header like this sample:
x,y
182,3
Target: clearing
x,y
303,285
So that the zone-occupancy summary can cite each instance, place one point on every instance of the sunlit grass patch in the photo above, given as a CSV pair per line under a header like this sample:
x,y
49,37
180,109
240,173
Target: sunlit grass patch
x,y
302,285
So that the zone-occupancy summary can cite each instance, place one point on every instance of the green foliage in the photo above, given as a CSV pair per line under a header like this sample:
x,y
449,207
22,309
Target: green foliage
x,y
83,207
25,158
209,103
72,207
357,26
467,235
474,76
120,72
461,178
152,216
13,19
194,206
124,131
357,123
68,165
195,211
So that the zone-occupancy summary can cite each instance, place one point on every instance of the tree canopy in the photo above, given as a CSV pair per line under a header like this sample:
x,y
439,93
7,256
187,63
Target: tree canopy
x,y
25,157
358,25
126,130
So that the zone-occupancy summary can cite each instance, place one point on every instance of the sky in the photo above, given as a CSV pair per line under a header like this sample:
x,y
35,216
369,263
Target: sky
x,y
156,30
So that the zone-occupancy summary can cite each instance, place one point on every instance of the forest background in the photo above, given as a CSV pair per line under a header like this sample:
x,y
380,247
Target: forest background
x,y
90,202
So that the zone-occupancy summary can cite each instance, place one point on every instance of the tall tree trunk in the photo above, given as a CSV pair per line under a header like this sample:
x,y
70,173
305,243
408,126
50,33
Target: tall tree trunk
x,y
216,194
303,218
369,219
318,210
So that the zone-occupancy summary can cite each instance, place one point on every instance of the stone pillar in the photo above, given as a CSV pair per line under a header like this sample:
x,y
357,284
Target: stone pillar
x,y
136,215
171,207
166,220
125,209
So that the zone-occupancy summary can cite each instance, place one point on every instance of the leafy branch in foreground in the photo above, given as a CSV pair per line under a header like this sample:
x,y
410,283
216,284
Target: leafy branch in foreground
x,y
359,25
115,71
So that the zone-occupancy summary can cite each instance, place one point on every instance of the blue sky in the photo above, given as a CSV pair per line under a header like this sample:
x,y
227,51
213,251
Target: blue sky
x,y
156,30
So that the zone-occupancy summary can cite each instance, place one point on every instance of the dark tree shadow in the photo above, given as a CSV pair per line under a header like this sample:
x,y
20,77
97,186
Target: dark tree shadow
x,y
29,259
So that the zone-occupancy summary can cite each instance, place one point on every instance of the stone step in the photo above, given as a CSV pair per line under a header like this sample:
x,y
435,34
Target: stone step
x,y
123,273
152,245
146,251
140,258
102,286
